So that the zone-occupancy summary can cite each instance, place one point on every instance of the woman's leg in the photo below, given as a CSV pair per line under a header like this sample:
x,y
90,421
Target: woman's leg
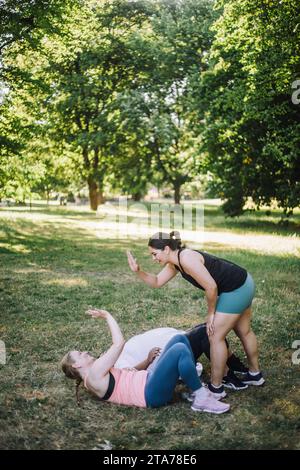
x,y
246,335
223,323
229,308
176,361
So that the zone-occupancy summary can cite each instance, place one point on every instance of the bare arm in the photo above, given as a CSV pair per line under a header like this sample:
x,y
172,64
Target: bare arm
x,y
105,362
152,280
159,280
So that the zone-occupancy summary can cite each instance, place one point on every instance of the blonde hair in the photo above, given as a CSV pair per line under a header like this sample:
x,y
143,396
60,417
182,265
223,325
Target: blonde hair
x,y
71,372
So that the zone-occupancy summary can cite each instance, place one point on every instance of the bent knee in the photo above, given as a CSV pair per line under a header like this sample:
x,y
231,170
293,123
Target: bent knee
x,y
243,333
216,338
179,337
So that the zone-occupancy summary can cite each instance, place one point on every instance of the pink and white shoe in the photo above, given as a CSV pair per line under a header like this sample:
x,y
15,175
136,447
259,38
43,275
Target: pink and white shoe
x,y
205,401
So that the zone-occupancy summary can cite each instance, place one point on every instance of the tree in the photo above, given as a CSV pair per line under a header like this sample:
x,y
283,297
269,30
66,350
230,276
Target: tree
x,y
24,25
88,72
170,57
27,21
249,124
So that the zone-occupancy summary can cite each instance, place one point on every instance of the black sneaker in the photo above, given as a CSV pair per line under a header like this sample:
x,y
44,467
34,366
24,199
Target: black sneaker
x,y
232,381
218,393
236,365
256,379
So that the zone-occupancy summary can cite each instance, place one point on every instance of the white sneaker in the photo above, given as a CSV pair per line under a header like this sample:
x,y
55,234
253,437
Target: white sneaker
x,y
204,401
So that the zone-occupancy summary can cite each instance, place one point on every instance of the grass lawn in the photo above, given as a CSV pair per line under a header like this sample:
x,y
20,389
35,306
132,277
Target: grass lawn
x,y
55,262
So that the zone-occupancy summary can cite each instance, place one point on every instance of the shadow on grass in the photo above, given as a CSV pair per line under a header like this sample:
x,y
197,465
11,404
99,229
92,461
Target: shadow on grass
x,y
52,210
71,265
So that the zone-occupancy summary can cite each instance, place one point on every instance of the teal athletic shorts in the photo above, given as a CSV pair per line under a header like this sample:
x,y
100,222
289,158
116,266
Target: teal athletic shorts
x,y
237,300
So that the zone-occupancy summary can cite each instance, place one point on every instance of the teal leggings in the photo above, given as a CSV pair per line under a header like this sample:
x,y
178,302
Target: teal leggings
x,y
237,300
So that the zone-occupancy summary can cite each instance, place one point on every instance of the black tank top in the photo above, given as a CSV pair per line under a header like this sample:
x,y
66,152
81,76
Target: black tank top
x,y
227,275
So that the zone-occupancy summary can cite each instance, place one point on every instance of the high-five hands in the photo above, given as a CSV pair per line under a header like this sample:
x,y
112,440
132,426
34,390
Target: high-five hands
x,y
132,262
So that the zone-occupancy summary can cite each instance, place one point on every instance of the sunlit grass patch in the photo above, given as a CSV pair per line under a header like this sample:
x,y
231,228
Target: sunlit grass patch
x,y
66,282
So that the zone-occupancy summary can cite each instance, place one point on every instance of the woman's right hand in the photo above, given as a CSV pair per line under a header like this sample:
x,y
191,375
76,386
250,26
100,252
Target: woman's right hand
x,y
97,313
153,353
210,327
132,262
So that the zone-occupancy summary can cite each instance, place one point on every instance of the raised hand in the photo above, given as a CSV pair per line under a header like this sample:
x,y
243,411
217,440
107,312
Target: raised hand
x,y
97,313
132,262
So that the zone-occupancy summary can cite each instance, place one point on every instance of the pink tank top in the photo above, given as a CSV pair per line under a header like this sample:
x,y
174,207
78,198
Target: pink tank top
x,y
129,387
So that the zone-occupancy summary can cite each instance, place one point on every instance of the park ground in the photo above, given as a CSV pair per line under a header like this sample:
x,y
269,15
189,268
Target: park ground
x,y
55,262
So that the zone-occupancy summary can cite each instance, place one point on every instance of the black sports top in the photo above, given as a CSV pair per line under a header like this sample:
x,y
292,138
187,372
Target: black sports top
x,y
227,275
111,386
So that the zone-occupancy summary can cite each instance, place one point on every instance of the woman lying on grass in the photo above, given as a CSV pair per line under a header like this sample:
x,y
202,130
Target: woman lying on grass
x,y
142,388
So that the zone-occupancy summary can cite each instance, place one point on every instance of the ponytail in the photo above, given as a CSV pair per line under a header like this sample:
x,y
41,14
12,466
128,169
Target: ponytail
x,y
78,382
72,373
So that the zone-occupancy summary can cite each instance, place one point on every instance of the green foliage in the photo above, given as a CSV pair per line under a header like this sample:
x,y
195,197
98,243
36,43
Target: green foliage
x,y
24,25
251,128
27,21
156,110
160,92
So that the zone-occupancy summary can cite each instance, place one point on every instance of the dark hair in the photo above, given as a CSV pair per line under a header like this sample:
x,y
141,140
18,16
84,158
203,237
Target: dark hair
x,y
162,239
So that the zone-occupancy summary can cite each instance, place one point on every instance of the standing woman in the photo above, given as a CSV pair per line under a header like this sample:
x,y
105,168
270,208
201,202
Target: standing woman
x,y
229,291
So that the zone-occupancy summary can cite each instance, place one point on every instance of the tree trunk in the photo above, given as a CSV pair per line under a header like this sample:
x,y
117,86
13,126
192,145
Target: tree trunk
x,y
95,194
177,195
136,197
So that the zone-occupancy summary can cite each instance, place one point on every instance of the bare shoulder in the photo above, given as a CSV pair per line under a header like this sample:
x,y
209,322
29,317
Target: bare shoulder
x,y
97,385
190,257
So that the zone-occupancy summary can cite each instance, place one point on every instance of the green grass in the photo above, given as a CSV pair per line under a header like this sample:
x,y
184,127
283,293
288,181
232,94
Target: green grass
x,y
55,262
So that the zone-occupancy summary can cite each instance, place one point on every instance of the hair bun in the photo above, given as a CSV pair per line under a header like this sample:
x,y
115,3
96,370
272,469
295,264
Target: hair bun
x,y
175,235
162,239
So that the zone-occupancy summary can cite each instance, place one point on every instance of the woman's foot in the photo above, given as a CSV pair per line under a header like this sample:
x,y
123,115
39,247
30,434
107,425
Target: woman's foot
x,y
254,379
217,392
230,380
205,401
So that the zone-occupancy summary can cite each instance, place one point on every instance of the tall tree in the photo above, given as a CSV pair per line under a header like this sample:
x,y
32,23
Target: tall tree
x,y
24,26
251,127
180,41
87,73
